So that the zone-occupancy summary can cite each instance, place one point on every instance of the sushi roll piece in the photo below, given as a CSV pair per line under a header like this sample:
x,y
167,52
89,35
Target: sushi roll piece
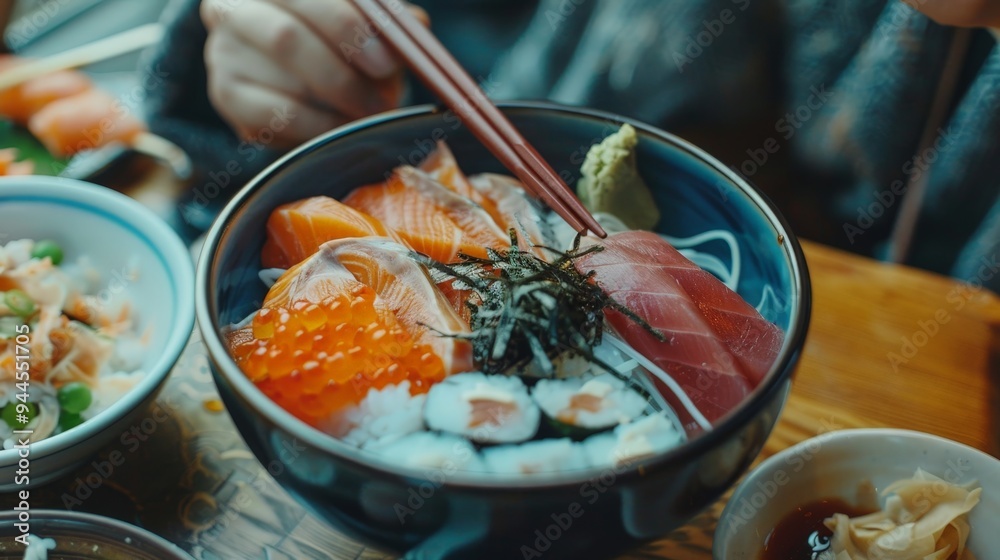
x,y
426,450
88,120
483,408
536,457
641,439
581,407
390,412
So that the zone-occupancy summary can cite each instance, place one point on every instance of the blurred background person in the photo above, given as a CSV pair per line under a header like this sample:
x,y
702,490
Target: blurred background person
x,y
838,110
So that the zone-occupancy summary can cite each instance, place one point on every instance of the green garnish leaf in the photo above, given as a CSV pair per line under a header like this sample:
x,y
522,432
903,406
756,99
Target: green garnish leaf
x,y
19,303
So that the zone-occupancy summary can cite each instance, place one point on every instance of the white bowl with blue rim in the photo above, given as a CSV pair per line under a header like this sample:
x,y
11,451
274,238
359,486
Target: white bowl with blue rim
x,y
116,233
834,464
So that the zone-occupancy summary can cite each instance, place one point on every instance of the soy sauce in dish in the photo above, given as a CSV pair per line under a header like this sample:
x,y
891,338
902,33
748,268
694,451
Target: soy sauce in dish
x,y
801,535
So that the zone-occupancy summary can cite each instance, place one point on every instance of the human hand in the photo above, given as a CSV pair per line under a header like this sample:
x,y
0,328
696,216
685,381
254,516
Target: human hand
x,y
960,13
316,63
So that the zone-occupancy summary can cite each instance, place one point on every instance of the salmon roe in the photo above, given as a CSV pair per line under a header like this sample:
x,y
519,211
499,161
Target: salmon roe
x,y
314,359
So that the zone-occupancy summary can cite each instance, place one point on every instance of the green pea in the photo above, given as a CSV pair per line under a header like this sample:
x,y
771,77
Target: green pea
x,y
69,420
19,302
74,397
47,248
9,415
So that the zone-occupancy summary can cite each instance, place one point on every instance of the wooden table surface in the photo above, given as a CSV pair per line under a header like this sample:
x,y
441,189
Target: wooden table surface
x,y
194,481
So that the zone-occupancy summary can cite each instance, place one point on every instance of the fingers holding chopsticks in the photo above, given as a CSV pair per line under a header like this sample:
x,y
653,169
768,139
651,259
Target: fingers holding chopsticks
x,y
319,56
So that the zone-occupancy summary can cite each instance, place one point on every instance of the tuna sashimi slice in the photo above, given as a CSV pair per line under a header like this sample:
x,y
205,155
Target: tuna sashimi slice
x,y
402,285
753,340
718,347
296,230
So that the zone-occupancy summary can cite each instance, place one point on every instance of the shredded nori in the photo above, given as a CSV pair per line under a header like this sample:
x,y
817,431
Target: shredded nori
x,y
526,310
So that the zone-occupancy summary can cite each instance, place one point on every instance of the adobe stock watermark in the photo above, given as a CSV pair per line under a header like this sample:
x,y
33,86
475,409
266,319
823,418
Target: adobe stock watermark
x,y
117,284
461,454
914,168
365,34
426,145
129,442
27,27
223,8
957,298
766,490
787,126
899,17
122,109
704,38
289,452
558,15
249,150
562,521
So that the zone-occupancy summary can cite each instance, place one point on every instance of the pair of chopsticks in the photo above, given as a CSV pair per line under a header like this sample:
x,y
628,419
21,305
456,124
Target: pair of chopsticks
x,y
439,70
103,49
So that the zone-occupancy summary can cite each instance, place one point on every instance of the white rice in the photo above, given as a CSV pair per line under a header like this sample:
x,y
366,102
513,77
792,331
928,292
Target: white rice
x,y
618,403
536,457
68,286
426,450
646,437
451,408
383,413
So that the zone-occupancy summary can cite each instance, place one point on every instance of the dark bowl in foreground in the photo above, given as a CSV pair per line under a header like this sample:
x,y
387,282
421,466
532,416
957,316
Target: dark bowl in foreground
x,y
585,514
84,536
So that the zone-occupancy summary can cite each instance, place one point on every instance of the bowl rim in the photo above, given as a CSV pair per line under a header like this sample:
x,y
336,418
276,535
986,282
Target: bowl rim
x,y
101,523
781,370
844,436
166,246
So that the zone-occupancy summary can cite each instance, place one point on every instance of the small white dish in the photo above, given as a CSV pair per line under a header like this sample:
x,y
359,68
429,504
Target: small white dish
x,y
116,233
834,465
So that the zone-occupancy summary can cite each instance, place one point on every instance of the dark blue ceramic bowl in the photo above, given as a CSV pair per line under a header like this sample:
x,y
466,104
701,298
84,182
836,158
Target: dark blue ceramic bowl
x,y
587,514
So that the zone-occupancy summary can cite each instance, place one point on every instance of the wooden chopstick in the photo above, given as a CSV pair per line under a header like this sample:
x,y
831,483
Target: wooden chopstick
x,y
442,74
436,53
102,49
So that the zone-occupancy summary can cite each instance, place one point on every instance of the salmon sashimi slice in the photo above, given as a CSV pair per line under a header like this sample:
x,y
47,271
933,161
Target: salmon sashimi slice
x,y
693,354
409,292
21,102
430,218
360,314
295,231
442,166
85,121
402,286
518,211
312,280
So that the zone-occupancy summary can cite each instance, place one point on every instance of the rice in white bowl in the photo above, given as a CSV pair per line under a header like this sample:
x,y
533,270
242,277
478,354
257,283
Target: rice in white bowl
x,y
69,322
